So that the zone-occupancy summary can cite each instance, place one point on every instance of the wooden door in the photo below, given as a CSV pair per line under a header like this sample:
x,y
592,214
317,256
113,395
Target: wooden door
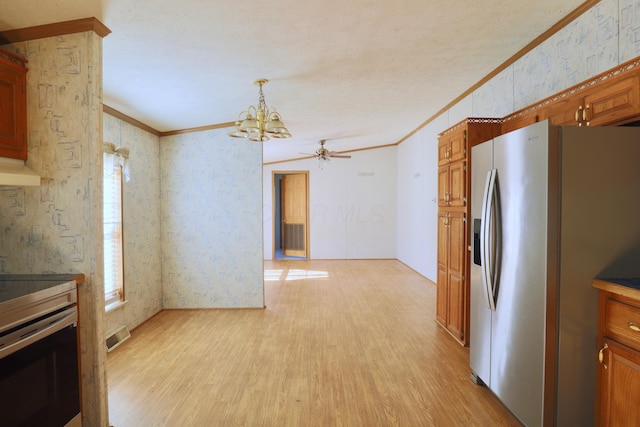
x,y
294,214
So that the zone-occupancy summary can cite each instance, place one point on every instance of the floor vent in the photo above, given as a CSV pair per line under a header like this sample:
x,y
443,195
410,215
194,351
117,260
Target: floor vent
x,y
117,337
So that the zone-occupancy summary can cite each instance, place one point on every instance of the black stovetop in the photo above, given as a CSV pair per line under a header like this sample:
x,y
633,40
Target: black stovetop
x,y
13,286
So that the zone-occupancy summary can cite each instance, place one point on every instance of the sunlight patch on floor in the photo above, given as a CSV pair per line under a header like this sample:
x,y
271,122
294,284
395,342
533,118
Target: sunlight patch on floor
x,y
293,274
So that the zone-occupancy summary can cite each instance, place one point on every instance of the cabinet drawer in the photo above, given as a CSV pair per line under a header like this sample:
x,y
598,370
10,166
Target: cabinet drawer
x,y
619,320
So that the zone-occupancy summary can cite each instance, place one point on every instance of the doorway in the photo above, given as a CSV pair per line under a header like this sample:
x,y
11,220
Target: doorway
x,y
291,215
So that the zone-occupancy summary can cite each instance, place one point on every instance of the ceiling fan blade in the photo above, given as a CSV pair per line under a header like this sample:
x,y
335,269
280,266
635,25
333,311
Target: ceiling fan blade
x,y
339,156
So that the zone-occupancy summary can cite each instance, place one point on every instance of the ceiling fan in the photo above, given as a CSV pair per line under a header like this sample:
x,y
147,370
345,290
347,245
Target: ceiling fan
x,y
323,154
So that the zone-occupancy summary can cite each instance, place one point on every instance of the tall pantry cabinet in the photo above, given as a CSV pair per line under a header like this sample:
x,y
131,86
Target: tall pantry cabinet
x,y
454,167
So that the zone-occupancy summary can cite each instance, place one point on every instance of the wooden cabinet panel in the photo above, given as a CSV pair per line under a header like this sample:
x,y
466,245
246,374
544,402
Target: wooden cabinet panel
x,y
456,307
442,282
567,111
451,289
457,184
620,387
452,147
13,107
457,243
613,102
618,373
456,274
518,121
443,186
452,185
620,323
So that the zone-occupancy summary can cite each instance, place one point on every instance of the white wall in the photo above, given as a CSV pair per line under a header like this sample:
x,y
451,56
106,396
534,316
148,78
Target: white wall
x,y
417,199
352,205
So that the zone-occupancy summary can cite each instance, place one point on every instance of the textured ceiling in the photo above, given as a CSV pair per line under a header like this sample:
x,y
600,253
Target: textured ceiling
x,y
359,73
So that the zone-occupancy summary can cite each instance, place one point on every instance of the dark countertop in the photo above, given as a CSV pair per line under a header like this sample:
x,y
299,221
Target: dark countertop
x,y
626,286
633,282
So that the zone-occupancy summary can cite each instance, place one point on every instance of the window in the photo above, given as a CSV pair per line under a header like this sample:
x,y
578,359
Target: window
x,y
112,220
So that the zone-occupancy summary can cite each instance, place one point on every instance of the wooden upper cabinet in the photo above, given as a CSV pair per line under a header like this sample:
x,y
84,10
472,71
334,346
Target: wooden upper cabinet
x,y
566,111
613,102
452,147
13,106
608,102
610,98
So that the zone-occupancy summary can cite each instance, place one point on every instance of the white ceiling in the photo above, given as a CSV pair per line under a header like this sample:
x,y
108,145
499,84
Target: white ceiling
x,y
359,73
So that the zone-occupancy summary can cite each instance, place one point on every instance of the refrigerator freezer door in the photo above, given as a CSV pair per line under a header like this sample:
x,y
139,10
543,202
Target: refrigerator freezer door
x,y
518,324
480,313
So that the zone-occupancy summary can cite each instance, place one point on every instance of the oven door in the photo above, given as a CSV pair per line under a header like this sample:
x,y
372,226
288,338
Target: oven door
x,y
39,372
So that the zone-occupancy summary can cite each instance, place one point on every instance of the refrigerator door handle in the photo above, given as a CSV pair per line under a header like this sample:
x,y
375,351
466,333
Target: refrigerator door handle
x,y
494,227
485,240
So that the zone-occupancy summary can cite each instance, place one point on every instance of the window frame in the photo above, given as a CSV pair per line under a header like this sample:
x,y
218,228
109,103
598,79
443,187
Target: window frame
x,y
114,286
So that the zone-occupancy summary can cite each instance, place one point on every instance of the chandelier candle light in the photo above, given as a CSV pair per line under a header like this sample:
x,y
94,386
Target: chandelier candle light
x,y
259,124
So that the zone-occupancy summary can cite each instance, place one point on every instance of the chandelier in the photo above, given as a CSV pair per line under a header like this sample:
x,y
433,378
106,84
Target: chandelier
x,y
259,124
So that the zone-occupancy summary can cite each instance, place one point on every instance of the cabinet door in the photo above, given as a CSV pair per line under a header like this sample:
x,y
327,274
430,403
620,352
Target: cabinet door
x,y
443,186
442,282
458,145
13,108
457,268
452,147
443,151
620,386
565,111
613,102
458,184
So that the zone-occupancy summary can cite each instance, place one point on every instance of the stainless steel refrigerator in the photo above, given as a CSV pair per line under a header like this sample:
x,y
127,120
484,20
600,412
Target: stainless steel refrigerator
x,y
552,208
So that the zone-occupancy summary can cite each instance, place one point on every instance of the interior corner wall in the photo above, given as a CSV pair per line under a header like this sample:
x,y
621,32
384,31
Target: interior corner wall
x,y
141,233
211,216
57,227
352,205
600,39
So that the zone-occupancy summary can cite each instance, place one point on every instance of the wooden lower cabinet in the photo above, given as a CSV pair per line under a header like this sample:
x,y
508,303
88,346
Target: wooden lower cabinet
x,y
451,298
620,386
618,370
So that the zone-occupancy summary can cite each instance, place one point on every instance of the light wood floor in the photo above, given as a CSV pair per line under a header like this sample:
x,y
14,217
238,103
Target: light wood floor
x,y
341,343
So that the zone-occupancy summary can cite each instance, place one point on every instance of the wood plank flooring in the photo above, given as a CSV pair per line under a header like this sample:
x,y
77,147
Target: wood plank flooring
x,y
341,343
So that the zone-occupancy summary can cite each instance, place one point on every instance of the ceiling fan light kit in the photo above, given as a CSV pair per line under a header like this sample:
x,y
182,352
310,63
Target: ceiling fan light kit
x,y
259,124
324,156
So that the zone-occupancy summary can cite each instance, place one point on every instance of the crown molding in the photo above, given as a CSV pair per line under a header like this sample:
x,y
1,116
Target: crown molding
x,y
118,115
588,4
53,30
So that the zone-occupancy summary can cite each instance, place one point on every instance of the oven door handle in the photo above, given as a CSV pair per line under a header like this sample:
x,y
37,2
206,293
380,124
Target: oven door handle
x,y
32,333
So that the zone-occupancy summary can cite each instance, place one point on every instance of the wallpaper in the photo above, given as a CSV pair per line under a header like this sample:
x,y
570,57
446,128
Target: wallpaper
x,y
54,228
601,38
211,204
141,215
